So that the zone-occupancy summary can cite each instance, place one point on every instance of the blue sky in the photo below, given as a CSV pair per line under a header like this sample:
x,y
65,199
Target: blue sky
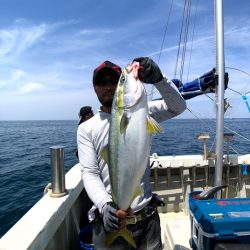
x,y
49,49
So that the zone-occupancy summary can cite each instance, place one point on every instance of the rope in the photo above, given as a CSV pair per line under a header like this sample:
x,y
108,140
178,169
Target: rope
x,y
237,92
163,41
46,189
165,31
243,137
185,38
179,45
243,96
192,42
212,131
242,71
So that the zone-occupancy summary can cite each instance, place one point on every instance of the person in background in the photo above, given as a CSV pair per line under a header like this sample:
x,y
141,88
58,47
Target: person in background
x,y
84,114
92,137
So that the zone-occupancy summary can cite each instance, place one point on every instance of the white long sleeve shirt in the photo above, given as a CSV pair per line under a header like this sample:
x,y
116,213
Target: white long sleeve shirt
x,y
92,137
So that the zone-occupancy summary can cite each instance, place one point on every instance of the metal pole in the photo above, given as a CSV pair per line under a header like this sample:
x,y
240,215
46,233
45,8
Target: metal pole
x,y
57,171
220,68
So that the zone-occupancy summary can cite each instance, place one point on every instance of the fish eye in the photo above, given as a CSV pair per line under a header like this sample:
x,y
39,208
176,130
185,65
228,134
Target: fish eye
x,y
122,79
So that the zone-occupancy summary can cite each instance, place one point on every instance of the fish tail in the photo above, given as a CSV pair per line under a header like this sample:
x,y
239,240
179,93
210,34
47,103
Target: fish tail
x,y
153,126
125,233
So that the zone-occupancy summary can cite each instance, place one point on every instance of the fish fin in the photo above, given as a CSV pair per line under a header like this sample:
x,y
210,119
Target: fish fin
x,y
153,126
105,154
111,237
124,123
125,233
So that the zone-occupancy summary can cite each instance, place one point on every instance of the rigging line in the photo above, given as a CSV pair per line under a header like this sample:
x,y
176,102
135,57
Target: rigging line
x,y
209,97
179,45
212,132
237,92
189,62
200,120
212,146
185,38
165,31
242,71
163,41
243,137
234,150
237,133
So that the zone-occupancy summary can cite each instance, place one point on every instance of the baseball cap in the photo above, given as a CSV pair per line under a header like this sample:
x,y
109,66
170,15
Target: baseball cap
x,y
106,66
83,111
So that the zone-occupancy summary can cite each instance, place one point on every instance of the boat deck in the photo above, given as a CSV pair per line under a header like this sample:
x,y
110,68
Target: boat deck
x,y
174,177
54,223
178,225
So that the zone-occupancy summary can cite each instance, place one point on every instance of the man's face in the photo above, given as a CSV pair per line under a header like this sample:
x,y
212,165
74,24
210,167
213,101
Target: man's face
x,y
88,116
105,88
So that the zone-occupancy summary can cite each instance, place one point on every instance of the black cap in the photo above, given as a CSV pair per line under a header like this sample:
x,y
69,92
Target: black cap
x,y
109,66
83,111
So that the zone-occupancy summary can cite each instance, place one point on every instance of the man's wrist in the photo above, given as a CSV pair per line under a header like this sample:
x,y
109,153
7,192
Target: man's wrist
x,y
102,204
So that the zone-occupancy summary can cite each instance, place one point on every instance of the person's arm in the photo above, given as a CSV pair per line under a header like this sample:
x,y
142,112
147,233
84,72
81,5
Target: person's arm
x,y
90,170
172,104
113,218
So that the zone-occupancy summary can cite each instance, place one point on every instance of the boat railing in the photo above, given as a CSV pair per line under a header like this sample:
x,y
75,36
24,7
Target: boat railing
x,y
174,177
52,223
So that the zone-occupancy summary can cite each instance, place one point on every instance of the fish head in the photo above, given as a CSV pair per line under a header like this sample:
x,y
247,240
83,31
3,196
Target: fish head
x,y
130,89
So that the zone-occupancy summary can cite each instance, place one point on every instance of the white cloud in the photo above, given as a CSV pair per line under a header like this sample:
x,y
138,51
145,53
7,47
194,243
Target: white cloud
x,y
16,40
31,87
84,32
16,74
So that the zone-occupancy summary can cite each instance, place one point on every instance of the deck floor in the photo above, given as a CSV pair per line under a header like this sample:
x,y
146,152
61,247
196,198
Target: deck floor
x,y
177,225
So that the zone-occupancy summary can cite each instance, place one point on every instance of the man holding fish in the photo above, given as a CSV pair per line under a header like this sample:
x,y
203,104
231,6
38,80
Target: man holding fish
x,y
114,148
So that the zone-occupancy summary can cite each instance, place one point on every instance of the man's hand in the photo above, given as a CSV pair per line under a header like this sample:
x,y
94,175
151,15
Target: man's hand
x,y
113,218
149,71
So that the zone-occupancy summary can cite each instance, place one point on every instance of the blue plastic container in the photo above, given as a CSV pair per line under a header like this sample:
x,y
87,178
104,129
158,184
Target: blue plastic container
x,y
191,202
192,198
214,221
85,238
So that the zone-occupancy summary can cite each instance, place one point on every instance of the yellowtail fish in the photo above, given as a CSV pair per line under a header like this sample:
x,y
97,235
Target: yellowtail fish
x,y
129,142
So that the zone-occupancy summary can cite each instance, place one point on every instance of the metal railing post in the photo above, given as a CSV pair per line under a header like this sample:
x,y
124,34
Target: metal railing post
x,y
57,172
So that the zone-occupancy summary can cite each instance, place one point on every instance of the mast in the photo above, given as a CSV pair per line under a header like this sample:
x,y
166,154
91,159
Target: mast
x,y
220,70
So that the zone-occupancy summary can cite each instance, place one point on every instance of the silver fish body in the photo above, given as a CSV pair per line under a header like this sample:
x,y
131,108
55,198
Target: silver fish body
x,y
129,139
129,143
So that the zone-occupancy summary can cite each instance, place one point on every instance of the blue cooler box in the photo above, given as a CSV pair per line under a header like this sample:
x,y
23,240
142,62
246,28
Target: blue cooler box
x,y
214,221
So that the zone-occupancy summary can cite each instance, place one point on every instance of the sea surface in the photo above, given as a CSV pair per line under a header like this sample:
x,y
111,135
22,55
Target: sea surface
x,y
25,155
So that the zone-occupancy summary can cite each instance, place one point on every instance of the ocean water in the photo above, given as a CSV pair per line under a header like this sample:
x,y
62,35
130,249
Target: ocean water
x,y
25,155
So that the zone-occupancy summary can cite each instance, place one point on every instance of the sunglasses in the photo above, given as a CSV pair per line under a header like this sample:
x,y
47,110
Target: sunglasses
x,y
105,81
